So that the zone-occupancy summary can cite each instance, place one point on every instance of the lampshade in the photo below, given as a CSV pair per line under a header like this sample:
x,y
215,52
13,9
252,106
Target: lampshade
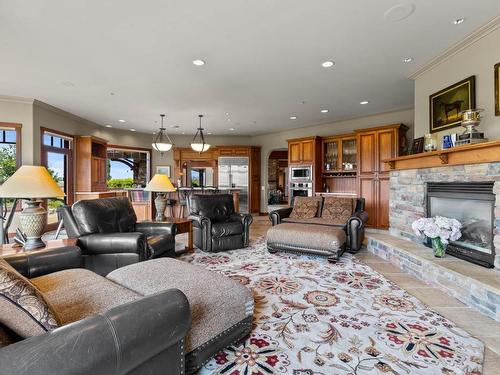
x,y
198,143
31,181
200,147
162,142
160,183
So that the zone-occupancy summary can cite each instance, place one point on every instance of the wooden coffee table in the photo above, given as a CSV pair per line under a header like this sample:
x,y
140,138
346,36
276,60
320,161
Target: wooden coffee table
x,y
13,248
184,225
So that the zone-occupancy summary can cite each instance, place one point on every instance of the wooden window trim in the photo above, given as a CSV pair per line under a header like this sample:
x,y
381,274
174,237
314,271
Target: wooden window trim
x,y
44,149
19,145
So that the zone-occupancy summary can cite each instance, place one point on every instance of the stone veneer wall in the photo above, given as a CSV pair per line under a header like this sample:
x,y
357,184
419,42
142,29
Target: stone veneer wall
x,y
408,201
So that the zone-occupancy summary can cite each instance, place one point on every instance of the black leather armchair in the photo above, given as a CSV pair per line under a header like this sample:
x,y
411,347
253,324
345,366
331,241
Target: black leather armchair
x,y
216,227
354,227
110,236
140,337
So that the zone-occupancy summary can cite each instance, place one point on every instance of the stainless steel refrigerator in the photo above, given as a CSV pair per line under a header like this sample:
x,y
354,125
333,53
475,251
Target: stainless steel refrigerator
x,y
233,174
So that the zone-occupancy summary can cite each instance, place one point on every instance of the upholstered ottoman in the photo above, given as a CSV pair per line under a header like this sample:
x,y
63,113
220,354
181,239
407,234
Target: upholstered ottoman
x,y
307,239
221,308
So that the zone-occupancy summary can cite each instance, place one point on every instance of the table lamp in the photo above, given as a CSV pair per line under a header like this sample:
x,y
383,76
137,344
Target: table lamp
x,y
32,182
160,183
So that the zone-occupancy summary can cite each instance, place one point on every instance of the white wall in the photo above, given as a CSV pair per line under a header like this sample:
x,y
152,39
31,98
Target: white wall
x,y
476,59
20,111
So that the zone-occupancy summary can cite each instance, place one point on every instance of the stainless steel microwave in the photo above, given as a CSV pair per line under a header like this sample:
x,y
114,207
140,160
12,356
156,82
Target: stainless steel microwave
x,y
301,173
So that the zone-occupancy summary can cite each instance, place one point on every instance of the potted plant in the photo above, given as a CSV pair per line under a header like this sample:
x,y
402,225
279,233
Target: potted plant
x,y
440,230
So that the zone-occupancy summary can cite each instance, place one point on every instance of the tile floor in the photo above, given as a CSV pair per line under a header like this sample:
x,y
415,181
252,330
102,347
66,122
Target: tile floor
x,y
480,326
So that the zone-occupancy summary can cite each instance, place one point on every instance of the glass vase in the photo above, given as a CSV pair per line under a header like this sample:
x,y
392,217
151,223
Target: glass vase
x,y
438,247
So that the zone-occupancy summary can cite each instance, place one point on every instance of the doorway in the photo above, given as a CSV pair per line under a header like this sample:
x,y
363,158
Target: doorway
x,y
277,179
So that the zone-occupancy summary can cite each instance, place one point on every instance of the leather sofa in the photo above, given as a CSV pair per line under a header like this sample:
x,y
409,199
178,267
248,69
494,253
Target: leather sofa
x,y
354,226
216,225
142,336
110,236
161,316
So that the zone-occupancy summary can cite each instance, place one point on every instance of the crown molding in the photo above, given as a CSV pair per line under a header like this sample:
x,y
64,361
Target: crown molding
x,y
472,38
16,99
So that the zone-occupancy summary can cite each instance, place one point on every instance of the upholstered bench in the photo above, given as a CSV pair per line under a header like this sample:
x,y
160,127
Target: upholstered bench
x,y
221,309
307,239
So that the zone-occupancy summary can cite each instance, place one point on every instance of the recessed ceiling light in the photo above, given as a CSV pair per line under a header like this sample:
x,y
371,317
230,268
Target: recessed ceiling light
x,y
328,64
364,102
198,62
227,113
399,12
132,130
407,60
324,111
458,21
209,133
109,126
122,121
231,129
228,119
293,117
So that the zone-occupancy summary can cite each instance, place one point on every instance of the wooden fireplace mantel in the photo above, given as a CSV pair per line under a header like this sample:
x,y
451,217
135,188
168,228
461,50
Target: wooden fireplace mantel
x,y
486,152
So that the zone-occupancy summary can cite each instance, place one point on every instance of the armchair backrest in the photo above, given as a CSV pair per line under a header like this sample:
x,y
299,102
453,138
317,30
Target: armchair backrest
x,y
104,215
217,207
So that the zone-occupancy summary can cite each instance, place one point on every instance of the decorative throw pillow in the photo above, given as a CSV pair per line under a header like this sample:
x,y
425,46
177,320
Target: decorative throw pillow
x,y
338,209
305,207
23,309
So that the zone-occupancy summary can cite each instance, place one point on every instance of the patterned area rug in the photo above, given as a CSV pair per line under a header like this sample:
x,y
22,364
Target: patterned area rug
x,y
312,317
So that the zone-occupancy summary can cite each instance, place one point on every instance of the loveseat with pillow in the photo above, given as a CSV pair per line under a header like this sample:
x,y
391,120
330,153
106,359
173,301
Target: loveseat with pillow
x,y
336,211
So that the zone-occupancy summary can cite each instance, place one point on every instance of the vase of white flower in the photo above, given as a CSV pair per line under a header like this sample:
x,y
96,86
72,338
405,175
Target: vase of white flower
x,y
438,247
440,230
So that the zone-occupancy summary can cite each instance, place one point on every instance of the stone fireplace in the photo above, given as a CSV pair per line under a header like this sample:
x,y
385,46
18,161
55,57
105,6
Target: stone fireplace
x,y
472,204
470,193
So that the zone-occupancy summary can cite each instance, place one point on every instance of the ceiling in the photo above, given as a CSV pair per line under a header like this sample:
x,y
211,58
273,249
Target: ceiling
x,y
132,60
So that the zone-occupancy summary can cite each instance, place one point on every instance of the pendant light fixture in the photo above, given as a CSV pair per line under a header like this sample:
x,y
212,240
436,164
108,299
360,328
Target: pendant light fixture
x,y
198,143
162,142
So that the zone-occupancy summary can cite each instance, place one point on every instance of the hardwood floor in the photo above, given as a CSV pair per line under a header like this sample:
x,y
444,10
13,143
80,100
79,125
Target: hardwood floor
x,y
485,329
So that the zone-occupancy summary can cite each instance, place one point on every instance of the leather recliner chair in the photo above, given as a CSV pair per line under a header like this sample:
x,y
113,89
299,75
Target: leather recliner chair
x,y
216,225
110,236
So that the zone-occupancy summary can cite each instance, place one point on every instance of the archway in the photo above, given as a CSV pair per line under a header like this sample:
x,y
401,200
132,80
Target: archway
x,y
277,179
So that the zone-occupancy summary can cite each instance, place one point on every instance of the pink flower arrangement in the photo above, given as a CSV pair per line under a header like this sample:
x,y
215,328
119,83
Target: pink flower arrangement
x,y
439,226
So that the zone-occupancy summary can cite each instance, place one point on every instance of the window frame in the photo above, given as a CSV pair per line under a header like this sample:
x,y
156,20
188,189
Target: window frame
x,y
69,152
19,146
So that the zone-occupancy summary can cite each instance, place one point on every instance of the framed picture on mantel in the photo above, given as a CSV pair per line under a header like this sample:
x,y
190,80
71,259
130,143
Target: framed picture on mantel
x,y
497,89
446,105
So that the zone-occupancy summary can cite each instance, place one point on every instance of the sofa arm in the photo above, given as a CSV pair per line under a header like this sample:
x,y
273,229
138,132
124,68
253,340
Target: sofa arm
x,y
356,230
155,228
246,220
278,215
39,263
113,243
204,224
144,336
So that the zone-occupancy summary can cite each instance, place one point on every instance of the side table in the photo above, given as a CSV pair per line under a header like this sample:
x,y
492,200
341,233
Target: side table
x,y
184,225
12,248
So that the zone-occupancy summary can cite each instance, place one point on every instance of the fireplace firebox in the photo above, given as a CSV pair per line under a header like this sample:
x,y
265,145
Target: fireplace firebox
x,y
471,203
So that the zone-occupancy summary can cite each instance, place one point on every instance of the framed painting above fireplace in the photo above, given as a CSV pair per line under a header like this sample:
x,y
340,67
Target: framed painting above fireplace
x,y
497,89
445,105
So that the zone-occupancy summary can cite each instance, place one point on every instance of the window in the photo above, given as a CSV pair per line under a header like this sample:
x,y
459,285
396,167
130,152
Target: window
x,y
10,150
57,157
128,167
10,159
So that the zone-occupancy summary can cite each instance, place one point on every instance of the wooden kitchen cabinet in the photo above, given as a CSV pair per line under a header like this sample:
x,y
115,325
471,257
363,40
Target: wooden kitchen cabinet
x,y
375,145
303,150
